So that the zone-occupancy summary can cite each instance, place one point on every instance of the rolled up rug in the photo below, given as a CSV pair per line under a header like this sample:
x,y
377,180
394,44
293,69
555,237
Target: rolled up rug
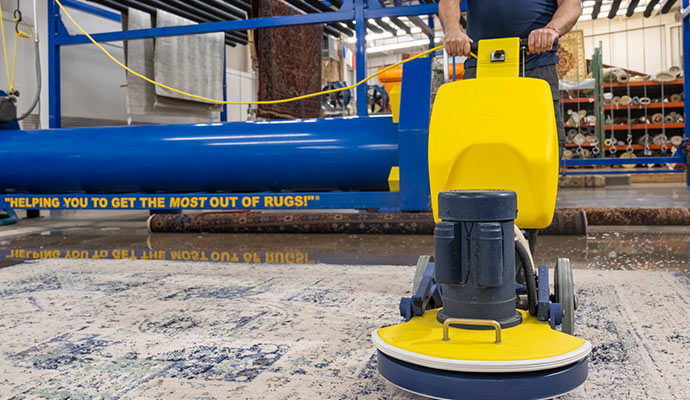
x,y
621,75
607,142
607,97
258,222
659,139
586,153
675,71
676,140
567,221
664,77
645,100
644,140
657,118
567,154
616,100
637,216
635,100
675,98
625,100
668,119
640,78
579,139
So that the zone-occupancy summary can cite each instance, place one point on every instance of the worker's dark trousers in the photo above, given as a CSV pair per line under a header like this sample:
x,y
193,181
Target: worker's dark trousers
x,y
547,73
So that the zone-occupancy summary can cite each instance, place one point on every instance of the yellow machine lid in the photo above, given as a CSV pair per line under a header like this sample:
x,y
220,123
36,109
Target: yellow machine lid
x,y
530,346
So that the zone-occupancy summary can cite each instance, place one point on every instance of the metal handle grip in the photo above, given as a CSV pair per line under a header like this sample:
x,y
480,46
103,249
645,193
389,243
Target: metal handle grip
x,y
524,43
468,321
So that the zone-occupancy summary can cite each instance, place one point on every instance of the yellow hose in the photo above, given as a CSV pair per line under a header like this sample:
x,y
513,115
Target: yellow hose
x,y
306,96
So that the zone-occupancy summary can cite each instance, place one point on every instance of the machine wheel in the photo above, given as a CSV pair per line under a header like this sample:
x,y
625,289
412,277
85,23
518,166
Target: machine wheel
x,y
419,272
564,290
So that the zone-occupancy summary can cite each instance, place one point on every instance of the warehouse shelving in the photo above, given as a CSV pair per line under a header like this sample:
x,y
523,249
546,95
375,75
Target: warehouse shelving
x,y
676,82
669,104
617,147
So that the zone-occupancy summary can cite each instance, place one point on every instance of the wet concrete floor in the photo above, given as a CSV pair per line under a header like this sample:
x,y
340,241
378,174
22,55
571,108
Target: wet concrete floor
x,y
617,248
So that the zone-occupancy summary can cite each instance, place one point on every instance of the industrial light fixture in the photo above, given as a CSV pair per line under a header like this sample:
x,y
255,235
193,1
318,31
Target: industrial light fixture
x,y
401,45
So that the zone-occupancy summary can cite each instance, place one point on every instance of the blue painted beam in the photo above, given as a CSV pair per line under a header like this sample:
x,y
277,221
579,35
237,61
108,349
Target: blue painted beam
x,y
686,67
680,159
402,11
625,172
78,5
361,58
204,201
55,29
254,23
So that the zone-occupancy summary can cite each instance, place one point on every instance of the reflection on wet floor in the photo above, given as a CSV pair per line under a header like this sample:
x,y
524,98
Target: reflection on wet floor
x,y
654,248
615,248
254,248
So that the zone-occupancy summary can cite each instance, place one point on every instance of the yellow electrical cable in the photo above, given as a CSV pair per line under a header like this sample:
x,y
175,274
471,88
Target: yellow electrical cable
x,y
14,63
4,47
18,34
306,96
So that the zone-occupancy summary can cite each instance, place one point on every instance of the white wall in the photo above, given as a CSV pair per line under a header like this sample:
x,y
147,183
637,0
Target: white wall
x,y
648,45
92,85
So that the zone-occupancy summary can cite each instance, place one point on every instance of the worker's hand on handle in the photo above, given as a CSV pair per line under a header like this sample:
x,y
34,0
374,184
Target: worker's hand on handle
x,y
541,40
457,43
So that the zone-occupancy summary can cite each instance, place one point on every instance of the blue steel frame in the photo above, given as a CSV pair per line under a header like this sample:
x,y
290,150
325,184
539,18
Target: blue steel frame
x,y
414,120
413,130
357,10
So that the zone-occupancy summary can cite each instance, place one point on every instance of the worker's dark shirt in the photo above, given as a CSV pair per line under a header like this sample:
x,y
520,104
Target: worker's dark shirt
x,y
492,19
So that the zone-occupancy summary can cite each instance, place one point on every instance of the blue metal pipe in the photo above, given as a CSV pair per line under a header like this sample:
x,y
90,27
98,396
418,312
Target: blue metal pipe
x,y
318,154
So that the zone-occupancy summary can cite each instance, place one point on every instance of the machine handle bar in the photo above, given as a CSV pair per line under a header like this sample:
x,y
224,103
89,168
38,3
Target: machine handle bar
x,y
467,321
524,46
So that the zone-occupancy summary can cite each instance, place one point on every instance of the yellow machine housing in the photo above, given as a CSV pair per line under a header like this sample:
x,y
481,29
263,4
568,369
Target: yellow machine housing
x,y
472,146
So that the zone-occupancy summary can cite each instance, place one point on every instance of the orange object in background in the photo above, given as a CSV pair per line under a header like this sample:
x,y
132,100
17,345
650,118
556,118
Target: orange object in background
x,y
390,79
393,77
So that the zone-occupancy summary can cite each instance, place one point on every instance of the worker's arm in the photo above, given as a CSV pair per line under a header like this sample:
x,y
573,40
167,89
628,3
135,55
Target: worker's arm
x,y
541,40
457,43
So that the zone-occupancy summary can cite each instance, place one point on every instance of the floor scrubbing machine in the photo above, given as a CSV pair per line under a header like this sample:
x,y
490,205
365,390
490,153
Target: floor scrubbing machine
x,y
482,322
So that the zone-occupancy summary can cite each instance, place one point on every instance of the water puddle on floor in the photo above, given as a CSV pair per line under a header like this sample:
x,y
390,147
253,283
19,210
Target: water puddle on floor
x,y
627,248
621,249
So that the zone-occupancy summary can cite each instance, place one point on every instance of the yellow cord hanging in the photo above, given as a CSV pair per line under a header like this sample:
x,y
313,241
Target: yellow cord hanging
x,y
4,48
306,96
18,33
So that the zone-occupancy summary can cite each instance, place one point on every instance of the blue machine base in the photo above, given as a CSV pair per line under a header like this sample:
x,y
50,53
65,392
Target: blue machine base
x,y
466,385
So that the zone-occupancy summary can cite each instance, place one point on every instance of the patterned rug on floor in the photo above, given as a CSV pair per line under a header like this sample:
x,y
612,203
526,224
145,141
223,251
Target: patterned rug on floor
x,y
125,329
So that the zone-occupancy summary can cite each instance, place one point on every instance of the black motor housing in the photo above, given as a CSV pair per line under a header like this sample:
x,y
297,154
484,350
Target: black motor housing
x,y
475,256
